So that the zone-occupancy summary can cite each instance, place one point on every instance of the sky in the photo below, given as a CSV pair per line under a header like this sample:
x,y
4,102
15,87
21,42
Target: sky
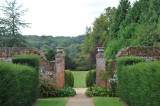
x,y
62,17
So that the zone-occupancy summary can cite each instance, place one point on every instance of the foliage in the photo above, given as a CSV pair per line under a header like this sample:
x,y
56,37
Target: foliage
x,y
69,78
105,75
45,43
119,17
50,55
113,86
107,101
99,33
11,23
147,35
91,81
29,60
32,61
128,25
112,49
138,84
70,63
52,101
82,68
139,27
17,85
100,91
129,60
47,88
66,91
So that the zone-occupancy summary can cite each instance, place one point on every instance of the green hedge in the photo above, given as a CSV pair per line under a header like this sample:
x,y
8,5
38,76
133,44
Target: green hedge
x,y
69,78
129,60
16,84
93,77
82,68
32,61
139,84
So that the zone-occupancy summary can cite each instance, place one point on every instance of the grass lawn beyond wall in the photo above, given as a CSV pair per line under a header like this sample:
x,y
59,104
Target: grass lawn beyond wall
x,y
79,79
107,101
52,101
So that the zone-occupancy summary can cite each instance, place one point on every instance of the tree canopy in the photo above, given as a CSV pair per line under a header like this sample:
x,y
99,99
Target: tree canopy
x,y
129,25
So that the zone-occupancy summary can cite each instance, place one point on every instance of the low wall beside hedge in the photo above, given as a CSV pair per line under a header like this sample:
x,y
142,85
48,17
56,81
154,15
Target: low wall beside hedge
x,y
138,84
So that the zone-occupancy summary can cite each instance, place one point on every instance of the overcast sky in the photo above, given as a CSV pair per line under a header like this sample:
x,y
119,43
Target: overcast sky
x,y
62,17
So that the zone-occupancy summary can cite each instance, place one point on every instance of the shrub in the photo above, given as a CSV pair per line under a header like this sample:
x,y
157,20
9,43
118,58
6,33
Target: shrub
x,y
16,84
139,84
69,78
113,87
32,61
29,60
100,91
129,60
82,68
66,91
47,88
93,77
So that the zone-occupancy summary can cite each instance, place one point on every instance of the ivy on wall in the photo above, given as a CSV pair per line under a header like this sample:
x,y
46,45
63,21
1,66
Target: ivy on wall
x,y
105,75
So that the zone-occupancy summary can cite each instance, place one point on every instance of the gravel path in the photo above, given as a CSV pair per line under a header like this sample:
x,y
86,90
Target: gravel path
x,y
80,99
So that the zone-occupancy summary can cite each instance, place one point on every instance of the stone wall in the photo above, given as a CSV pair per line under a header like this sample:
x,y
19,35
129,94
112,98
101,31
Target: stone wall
x,y
148,53
48,68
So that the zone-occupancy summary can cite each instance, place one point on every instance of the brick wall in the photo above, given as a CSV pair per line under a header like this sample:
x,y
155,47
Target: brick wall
x,y
148,53
49,69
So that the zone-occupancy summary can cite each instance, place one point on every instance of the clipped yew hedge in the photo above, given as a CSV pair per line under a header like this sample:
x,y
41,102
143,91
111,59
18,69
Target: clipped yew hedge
x,y
16,84
69,78
29,60
129,60
93,77
34,62
139,84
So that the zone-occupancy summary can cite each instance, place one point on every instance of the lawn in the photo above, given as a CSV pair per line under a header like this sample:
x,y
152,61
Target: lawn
x,y
52,102
107,101
79,79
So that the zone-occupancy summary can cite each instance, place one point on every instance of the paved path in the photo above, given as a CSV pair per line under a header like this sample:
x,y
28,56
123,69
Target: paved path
x,y
80,99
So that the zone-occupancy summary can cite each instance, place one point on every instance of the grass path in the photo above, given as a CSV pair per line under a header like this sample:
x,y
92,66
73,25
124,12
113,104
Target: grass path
x,y
107,101
79,79
52,101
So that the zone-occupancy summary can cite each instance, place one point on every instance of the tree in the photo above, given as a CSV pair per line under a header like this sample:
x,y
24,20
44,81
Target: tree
x,y
11,23
50,55
118,18
86,45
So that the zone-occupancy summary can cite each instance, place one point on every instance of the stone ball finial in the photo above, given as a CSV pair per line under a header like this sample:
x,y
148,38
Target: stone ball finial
x,y
100,49
59,49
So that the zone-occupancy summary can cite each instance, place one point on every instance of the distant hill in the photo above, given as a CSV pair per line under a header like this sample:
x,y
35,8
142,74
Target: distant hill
x,y
45,43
